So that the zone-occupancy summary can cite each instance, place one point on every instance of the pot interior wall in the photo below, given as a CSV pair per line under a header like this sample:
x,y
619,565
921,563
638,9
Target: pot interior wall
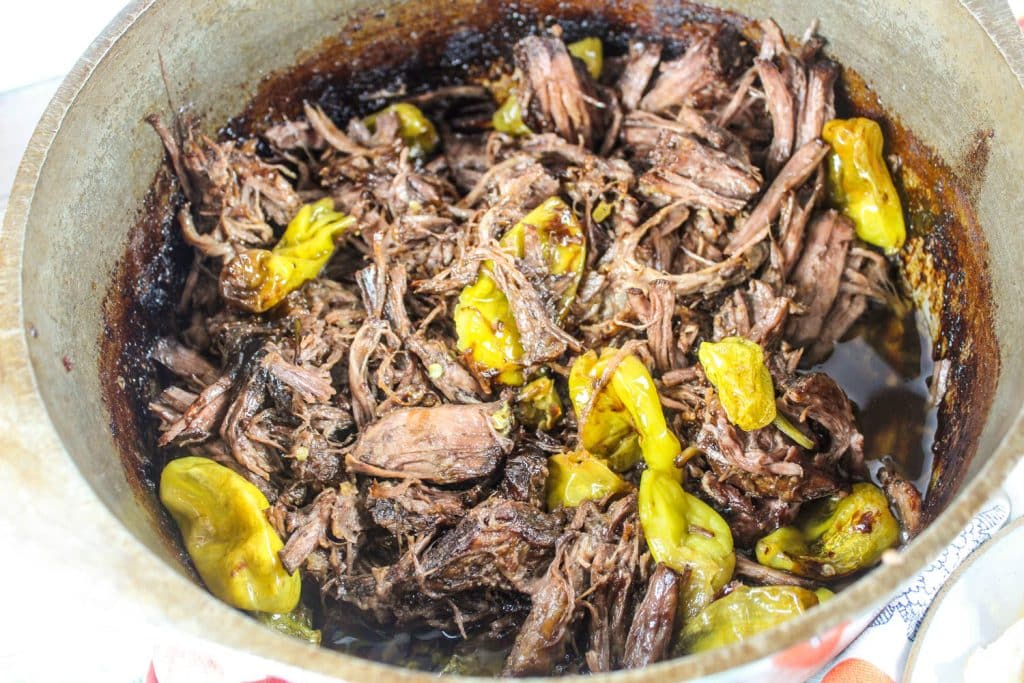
x,y
103,265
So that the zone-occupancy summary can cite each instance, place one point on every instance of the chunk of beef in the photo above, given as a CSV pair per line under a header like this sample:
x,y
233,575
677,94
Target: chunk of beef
x,y
679,79
231,190
445,444
542,638
190,366
818,105
904,498
816,397
249,398
779,101
749,517
756,314
409,507
763,463
654,620
289,135
818,274
614,571
307,529
766,576
467,159
596,561
797,170
699,175
865,278
642,60
201,419
368,339
445,372
556,93
310,384
655,311
500,544
525,476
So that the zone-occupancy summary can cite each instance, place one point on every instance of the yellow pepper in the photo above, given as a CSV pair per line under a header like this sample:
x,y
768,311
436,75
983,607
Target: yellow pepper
x,y
230,541
579,476
298,624
625,419
416,129
258,279
735,367
591,52
484,323
741,614
508,118
859,182
833,537
684,532
539,405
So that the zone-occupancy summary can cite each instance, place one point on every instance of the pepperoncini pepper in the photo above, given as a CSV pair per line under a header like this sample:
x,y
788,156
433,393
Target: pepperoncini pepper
x,y
859,182
508,118
484,323
579,476
230,541
298,624
625,419
742,613
259,279
416,129
538,404
833,537
591,52
685,533
735,367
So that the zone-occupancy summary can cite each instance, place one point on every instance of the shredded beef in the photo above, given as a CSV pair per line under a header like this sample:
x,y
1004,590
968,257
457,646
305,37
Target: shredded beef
x,y
406,491
654,622
557,94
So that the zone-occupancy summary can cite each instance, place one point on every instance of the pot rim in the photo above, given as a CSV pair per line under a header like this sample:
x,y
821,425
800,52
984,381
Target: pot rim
x,y
16,370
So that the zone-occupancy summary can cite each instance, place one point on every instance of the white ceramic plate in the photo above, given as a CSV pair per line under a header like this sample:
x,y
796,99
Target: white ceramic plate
x,y
981,599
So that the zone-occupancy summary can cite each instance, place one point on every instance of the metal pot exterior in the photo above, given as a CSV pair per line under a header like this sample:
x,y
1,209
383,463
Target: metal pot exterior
x,y
84,181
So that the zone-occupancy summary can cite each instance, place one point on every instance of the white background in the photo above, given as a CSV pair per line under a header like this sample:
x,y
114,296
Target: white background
x,y
40,40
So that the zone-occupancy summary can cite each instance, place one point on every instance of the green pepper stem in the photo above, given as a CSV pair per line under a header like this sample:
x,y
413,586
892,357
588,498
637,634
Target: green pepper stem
x,y
787,428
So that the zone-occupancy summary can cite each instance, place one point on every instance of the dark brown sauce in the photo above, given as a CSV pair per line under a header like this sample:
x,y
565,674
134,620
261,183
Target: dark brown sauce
x,y
884,365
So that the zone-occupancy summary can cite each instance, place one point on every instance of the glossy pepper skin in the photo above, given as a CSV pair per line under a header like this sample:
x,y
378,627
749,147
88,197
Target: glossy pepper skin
x,y
415,128
538,404
579,476
258,279
591,52
685,533
226,534
833,537
298,624
625,420
735,367
742,613
484,324
508,118
859,182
